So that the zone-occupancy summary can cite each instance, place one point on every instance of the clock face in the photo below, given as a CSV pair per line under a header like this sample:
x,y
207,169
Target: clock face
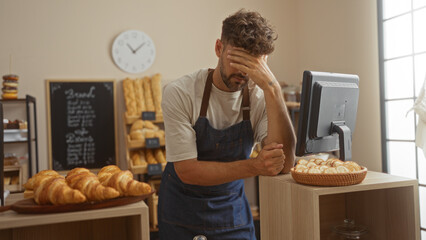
x,y
133,51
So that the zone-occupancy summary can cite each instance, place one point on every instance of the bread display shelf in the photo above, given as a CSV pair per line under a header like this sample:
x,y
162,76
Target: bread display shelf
x,y
141,169
133,144
329,179
131,119
12,168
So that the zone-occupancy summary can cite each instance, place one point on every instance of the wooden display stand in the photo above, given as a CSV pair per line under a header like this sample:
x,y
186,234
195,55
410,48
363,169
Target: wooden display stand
x,y
123,222
388,205
136,144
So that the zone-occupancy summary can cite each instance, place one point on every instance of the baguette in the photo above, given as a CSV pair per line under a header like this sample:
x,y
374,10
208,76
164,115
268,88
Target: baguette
x,y
129,97
148,94
156,93
139,96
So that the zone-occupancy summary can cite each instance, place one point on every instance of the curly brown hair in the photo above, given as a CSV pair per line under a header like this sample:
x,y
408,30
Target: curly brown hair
x,y
249,30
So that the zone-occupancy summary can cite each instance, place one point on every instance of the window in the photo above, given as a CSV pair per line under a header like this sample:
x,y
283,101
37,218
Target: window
x,y
402,35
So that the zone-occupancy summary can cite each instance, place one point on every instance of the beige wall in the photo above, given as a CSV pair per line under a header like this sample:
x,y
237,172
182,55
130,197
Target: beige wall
x,y
59,39
341,36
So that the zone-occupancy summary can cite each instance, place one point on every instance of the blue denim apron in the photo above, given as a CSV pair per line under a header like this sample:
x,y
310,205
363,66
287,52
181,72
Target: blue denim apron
x,y
217,212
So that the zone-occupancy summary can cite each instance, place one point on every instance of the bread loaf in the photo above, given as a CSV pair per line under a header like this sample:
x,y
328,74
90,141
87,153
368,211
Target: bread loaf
x,y
159,155
138,158
137,135
156,93
137,125
149,102
139,96
149,156
129,97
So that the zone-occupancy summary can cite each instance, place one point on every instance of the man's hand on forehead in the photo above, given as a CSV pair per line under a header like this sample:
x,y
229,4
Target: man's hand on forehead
x,y
255,67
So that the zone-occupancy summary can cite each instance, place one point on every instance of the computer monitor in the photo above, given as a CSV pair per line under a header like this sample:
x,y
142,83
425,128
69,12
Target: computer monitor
x,y
327,116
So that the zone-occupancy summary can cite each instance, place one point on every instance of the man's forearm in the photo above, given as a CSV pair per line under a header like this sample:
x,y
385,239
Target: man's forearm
x,y
280,128
208,173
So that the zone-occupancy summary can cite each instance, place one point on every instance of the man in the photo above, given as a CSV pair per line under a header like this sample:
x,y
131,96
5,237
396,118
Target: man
x,y
212,118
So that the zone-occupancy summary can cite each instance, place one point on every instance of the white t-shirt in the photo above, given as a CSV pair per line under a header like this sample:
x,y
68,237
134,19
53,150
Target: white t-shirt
x,y
181,108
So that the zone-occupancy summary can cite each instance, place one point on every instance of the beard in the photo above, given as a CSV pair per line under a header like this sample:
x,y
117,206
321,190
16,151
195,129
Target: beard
x,y
233,86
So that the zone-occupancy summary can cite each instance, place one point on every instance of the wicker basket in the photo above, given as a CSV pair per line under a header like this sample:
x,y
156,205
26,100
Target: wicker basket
x,y
330,179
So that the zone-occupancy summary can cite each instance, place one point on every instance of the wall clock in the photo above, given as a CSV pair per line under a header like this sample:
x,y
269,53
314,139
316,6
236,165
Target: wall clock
x,y
133,51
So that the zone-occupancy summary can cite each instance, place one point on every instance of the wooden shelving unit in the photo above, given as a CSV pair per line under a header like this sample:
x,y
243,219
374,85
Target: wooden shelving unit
x,y
142,170
388,205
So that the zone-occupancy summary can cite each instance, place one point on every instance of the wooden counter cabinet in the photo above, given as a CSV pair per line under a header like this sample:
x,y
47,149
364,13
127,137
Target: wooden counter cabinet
x,y
122,222
388,205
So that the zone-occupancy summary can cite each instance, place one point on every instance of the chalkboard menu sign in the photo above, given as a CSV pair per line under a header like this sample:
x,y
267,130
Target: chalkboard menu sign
x,y
82,125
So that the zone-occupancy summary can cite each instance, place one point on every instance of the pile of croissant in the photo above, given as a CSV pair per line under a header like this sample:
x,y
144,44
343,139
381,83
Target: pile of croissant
x,y
80,185
332,165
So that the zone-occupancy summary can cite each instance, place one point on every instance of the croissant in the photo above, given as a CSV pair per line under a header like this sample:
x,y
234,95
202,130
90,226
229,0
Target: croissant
x,y
88,183
29,185
122,181
54,190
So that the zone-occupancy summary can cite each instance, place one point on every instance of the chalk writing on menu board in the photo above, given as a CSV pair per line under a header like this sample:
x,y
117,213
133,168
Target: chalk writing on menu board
x,y
82,124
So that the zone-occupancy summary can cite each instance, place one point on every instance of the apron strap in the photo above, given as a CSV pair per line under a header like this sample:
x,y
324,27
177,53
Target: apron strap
x,y
245,103
206,94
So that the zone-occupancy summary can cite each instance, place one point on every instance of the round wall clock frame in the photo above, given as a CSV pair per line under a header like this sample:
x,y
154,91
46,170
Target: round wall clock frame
x,y
133,51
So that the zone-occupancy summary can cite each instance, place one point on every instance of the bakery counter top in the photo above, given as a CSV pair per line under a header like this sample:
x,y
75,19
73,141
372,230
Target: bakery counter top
x,y
122,222
290,210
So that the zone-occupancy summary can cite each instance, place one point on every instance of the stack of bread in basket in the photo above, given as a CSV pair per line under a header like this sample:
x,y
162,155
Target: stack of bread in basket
x,y
80,185
330,172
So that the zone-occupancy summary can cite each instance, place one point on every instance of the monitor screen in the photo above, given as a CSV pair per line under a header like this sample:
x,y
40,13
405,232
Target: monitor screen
x,y
328,110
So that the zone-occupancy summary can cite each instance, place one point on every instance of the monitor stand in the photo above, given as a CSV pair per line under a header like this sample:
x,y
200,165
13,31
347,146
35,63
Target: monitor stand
x,y
345,139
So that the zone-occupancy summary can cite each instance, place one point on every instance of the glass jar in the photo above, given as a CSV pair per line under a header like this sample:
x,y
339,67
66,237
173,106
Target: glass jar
x,y
290,93
349,230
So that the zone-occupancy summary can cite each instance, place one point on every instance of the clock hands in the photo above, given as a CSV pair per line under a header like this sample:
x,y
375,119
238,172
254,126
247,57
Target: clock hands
x,y
138,47
131,49
135,50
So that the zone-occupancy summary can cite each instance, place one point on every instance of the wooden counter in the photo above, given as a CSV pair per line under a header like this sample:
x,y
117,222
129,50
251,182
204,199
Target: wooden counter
x,y
123,222
388,205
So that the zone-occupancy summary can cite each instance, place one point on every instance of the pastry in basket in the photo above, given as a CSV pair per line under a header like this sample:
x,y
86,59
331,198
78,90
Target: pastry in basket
x,y
29,185
88,183
122,181
330,166
55,190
